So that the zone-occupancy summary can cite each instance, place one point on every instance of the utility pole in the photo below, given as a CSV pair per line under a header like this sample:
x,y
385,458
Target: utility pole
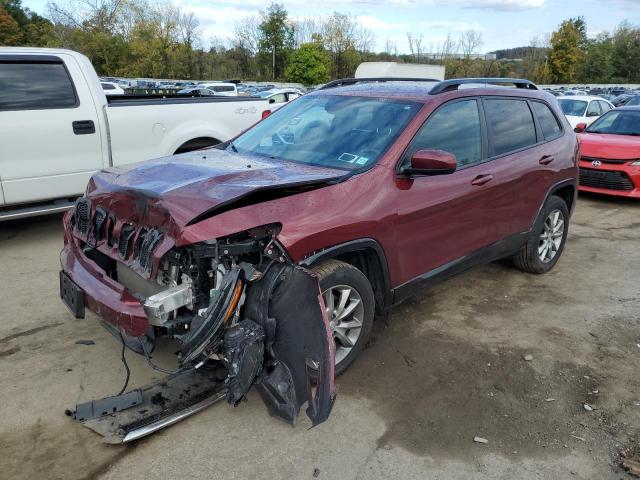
x,y
273,63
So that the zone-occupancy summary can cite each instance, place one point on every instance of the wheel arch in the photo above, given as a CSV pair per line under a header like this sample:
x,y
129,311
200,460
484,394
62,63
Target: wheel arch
x,y
567,190
196,144
367,255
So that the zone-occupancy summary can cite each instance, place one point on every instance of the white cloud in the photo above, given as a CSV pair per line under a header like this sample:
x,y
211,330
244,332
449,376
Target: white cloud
x,y
498,4
376,24
217,22
452,26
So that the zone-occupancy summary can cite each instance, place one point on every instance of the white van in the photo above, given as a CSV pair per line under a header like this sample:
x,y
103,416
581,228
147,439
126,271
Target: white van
x,y
223,89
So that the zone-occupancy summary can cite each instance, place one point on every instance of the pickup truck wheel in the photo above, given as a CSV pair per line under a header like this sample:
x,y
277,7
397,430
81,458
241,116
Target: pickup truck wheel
x,y
546,239
350,305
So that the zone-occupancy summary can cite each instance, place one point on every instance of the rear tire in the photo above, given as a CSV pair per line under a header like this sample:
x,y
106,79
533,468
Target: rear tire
x,y
350,307
547,238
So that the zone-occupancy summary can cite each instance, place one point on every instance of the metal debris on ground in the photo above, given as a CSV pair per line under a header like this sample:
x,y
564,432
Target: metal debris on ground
x,y
587,407
480,440
528,357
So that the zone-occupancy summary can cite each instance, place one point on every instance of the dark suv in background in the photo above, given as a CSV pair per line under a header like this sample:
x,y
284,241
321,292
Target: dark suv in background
x,y
379,186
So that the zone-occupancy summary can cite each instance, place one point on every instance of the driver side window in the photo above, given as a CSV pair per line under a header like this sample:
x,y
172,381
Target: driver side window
x,y
454,128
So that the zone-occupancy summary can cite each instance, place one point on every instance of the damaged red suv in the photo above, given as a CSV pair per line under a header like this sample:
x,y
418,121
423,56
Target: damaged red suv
x,y
270,254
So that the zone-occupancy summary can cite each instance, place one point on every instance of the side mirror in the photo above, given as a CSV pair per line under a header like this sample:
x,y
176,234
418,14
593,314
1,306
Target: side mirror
x,y
580,127
432,162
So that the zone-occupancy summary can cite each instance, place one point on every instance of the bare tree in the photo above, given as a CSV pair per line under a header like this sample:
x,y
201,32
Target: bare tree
x,y
307,29
470,42
390,48
247,34
536,56
95,15
189,29
445,50
415,45
346,40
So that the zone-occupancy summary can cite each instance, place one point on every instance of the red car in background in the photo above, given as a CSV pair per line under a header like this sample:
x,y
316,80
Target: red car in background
x,y
610,153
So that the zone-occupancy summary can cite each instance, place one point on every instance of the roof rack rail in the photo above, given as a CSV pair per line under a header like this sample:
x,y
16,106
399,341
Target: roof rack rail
x,y
352,81
454,83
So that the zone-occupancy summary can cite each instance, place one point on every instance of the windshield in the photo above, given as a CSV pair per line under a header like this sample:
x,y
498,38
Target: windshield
x,y
573,108
634,100
617,122
329,131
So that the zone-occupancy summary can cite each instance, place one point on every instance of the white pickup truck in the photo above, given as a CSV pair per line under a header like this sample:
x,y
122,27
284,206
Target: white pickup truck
x,y
57,127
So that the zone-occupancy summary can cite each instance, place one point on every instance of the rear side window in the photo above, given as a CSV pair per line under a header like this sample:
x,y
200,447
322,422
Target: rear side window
x,y
278,98
510,123
454,128
223,88
594,109
547,120
31,86
604,106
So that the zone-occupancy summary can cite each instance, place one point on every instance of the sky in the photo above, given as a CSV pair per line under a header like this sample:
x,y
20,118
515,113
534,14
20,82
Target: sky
x,y
502,23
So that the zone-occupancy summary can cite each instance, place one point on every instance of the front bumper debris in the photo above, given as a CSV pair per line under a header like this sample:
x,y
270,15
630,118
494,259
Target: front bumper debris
x,y
243,313
162,403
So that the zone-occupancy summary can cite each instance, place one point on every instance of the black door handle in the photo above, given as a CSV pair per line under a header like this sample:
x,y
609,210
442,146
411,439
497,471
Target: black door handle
x,y
83,127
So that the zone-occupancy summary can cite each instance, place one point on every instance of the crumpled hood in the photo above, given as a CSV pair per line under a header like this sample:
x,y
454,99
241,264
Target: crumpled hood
x,y
618,147
180,189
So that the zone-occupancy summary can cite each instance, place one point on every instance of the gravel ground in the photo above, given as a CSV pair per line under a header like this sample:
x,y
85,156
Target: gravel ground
x,y
445,367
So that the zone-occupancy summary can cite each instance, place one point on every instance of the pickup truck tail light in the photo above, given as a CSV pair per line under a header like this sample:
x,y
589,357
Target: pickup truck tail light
x,y
265,114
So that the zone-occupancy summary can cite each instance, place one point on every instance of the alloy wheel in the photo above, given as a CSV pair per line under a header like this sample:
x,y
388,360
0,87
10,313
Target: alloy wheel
x,y
345,311
551,236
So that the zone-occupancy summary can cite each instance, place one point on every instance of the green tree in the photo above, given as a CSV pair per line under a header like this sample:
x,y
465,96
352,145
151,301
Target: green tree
x,y
276,39
567,44
10,33
598,61
308,65
626,53
33,30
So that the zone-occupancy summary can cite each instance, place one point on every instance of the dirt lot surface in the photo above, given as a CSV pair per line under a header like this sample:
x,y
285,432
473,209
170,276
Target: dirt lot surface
x,y
442,369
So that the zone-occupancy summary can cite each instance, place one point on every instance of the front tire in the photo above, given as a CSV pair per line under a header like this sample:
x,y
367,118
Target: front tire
x,y
350,305
547,238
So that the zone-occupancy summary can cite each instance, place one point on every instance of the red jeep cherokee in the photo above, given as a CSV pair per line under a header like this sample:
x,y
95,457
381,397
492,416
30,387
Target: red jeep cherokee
x,y
379,186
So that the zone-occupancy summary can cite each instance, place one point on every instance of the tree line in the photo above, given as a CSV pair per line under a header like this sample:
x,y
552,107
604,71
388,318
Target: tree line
x,y
159,39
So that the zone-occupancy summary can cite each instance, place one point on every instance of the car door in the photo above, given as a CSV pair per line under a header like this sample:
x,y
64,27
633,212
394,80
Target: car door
x,y
49,140
442,219
523,159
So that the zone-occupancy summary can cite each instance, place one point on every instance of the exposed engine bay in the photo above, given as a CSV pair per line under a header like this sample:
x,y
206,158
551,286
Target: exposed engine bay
x,y
244,315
